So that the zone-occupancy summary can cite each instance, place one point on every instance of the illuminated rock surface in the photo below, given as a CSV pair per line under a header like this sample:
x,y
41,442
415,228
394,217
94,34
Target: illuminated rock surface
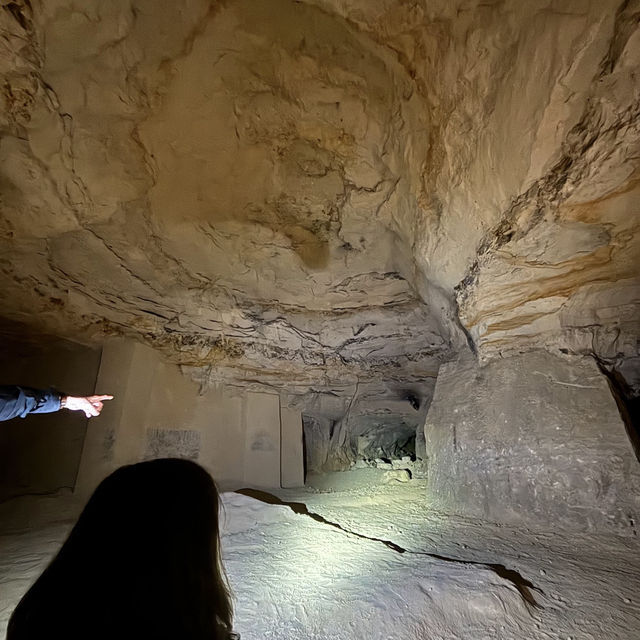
x,y
535,440
331,201
304,193
296,578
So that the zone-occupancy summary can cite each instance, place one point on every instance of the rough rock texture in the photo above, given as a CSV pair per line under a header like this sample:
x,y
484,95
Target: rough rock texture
x,y
216,180
312,195
534,439
374,420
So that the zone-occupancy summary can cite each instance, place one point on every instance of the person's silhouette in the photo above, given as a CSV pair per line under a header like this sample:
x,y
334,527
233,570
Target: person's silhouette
x,y
142,562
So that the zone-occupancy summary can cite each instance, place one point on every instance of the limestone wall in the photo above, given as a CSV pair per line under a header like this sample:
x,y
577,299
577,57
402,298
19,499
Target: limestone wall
x,y
327,197
159,412
533,439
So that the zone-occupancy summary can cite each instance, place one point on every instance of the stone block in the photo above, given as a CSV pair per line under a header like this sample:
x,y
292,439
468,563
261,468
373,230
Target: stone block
x,y
396,475
534,439
262,453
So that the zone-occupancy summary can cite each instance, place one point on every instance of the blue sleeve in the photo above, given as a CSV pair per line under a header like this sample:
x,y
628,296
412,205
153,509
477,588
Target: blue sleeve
x,y
19,401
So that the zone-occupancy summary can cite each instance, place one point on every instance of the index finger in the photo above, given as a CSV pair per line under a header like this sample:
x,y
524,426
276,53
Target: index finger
x,y
102,397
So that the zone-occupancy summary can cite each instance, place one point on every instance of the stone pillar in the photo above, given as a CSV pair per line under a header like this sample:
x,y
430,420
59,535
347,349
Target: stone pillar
x,y
223,436
291,450
533,439
115,438
262,451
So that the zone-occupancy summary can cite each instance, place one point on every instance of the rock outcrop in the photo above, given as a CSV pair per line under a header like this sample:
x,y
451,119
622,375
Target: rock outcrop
x,y
534,439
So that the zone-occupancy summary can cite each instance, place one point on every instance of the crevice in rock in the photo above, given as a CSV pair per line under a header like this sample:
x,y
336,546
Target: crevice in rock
x,y
524,587
628,403
50,492
627,17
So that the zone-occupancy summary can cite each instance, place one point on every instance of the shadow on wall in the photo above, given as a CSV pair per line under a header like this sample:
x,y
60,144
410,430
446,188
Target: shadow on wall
x,y
628,405
41,453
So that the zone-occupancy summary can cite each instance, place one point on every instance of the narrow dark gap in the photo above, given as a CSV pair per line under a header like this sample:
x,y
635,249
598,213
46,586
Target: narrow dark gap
x,y
628,404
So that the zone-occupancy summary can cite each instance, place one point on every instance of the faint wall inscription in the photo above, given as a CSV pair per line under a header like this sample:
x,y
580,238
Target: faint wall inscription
x,y
172,443
263,442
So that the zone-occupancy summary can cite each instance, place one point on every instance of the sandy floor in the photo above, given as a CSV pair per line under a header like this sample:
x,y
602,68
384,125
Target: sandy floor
x,y
375,563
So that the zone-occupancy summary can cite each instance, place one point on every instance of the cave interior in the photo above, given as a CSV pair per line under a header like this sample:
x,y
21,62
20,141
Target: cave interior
x,y
380,257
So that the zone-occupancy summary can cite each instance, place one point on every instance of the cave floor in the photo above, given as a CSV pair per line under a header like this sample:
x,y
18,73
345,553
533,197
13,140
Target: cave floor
x,y
374,562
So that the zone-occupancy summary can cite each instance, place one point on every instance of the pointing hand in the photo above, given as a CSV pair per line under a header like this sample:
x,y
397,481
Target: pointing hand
x,y
91,405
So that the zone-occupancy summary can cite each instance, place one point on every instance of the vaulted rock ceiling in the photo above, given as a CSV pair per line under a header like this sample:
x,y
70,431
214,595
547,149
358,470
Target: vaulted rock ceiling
x,y
313,193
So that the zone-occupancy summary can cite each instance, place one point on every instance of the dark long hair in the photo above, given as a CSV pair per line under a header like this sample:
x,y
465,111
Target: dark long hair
x,y
143,562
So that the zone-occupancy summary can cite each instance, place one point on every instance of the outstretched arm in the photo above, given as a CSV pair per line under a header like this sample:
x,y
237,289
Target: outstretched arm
x,y
20,401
